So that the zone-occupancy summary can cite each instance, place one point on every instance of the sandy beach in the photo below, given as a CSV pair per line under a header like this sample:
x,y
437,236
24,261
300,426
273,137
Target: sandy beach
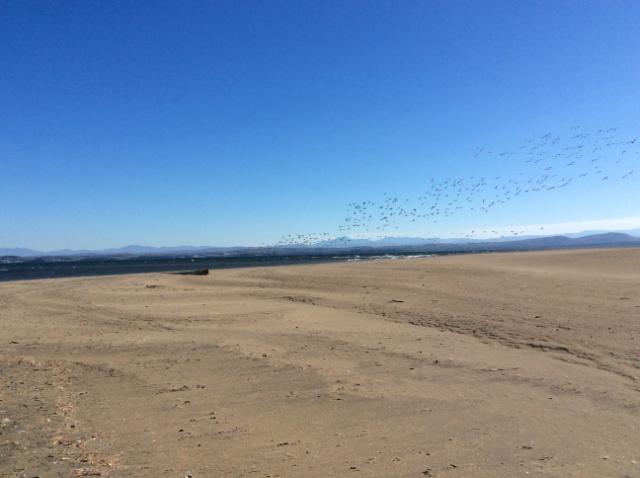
x,y
491,365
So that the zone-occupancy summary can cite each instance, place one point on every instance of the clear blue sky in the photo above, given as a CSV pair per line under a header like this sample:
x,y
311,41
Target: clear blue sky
x,y
222,123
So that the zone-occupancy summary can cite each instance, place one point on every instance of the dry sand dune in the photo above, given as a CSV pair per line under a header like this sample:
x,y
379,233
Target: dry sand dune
x,y
496,365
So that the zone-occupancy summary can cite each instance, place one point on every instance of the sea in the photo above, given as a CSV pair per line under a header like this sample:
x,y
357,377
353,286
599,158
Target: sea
x,y
51,269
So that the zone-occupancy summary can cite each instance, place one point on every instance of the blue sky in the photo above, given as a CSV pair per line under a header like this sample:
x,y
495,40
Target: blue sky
x,y
223,123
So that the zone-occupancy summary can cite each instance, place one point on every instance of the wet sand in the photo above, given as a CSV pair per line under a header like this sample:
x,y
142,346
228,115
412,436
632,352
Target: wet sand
x,y
493,365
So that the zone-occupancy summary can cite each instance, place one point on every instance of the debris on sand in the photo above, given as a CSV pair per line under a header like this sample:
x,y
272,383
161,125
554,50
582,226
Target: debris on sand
x,y
196,272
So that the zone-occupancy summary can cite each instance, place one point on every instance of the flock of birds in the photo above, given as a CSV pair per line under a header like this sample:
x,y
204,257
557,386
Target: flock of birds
x,y
547,163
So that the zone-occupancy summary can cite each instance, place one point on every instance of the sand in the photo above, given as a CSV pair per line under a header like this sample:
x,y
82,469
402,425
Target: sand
x,y
492,365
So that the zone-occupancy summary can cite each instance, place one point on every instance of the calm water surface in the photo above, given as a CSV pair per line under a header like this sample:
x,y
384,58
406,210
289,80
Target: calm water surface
x,y
40,269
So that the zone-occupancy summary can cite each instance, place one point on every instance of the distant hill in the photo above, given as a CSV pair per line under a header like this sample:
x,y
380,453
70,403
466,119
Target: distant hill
x,y
527,244
127,250
385,245
20,252
631,232
605,239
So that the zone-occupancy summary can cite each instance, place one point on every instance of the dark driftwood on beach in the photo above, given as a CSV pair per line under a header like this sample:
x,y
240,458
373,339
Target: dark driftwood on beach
x,y
197,272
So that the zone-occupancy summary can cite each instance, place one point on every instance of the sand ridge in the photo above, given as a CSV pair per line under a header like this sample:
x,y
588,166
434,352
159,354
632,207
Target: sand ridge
x,y
492,365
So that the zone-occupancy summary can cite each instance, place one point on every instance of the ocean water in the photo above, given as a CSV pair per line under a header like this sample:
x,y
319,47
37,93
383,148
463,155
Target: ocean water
x,y
49,269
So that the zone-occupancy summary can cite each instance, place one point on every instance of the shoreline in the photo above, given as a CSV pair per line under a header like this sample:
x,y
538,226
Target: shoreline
x,y
98,267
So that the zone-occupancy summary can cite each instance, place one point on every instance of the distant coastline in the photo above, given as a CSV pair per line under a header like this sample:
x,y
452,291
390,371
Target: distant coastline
x,y
14,268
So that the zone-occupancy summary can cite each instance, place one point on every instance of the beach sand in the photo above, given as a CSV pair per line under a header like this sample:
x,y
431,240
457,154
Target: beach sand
x,y
491,365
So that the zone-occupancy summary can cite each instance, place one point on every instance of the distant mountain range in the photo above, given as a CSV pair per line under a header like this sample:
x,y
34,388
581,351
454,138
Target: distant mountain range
x,y
129,250
385,245
608,239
